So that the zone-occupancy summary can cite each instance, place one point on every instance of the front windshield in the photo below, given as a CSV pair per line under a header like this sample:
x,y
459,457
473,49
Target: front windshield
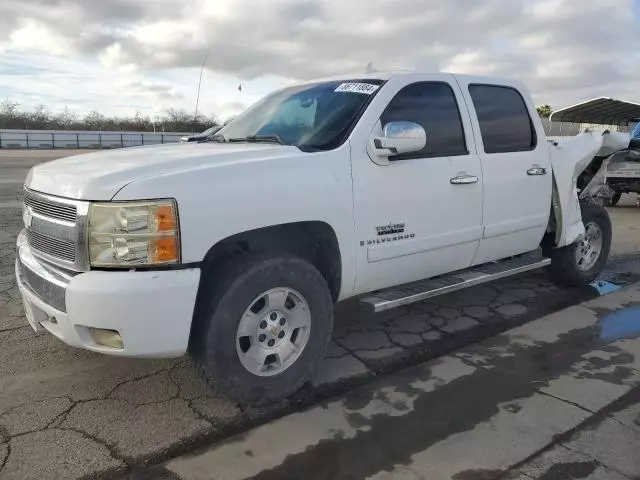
x,y
313,116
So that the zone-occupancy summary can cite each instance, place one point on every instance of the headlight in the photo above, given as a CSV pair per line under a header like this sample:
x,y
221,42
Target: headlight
x,y
133,234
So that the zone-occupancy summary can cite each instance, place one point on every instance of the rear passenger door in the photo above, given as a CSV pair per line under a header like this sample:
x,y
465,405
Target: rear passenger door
x,y
515,166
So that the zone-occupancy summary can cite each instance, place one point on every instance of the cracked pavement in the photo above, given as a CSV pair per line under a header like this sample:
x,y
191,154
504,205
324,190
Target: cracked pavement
x,y
555,399
68,413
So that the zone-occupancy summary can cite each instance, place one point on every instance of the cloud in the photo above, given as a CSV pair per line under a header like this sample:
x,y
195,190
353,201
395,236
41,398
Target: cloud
x,y
154,89
34,36
85,86
564,50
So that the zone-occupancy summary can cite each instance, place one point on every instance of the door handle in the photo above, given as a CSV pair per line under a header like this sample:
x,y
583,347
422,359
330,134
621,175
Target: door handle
x,y
537,171
464,180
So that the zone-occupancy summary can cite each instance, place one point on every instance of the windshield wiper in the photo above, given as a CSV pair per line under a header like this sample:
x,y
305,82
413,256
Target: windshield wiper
x,y
216,137
259,138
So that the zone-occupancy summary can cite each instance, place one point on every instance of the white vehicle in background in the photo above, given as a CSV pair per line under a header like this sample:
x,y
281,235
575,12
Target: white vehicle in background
x,y
623,172
394,187
620,173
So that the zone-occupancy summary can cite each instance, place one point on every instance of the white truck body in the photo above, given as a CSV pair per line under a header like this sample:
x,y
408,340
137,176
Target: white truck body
x,y
394,221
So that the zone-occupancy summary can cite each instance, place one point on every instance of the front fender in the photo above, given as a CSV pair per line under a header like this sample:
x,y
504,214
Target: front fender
x,y
217,201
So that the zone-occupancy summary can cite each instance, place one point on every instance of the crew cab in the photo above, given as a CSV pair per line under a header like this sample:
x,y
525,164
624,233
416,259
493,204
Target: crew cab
x,y
392,187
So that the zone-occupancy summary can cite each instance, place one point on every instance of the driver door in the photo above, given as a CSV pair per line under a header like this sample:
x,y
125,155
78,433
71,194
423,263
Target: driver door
x,y
418,215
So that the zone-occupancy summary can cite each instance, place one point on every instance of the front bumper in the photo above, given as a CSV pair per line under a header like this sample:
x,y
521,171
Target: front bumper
x,y
151,310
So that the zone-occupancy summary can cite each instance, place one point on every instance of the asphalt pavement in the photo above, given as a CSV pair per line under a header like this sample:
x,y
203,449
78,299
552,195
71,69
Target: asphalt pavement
x,y
555,399
67,413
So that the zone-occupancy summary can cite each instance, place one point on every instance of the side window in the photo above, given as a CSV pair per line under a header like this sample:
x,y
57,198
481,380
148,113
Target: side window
x,y
504,120
432,105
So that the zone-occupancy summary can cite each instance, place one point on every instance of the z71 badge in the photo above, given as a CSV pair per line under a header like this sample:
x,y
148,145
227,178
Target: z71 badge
x,y
389,233
390,229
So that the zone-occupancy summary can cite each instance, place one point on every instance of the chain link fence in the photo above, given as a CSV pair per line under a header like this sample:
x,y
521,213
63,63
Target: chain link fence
x,y
560,129
48,139
566,129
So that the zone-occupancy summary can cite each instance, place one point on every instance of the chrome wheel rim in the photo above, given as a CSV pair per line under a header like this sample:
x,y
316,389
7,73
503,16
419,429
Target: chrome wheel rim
x,y
589,248
273,331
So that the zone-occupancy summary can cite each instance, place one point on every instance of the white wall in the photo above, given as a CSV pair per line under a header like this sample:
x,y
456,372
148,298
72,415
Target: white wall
x,y
83,139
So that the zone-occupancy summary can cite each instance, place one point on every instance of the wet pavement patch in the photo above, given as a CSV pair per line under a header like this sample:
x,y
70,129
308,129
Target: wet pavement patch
x,y
478,475
564,471
153,473
623,324
517,372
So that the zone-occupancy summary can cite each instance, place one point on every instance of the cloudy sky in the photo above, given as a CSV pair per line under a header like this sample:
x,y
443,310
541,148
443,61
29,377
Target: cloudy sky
x,y
119,56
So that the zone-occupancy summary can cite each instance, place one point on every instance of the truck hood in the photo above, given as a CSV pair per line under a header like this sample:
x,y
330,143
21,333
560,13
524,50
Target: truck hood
x,y
100,175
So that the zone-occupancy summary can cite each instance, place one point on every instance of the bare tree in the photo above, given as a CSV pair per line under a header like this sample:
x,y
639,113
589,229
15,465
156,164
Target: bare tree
x,y
66,118
140,122
9,108
211,120
9,115
176,120
40,117
95,120
178,116
179,120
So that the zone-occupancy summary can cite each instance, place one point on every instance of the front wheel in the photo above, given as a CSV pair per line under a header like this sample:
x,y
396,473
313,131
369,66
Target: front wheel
x,y
581,262
264,327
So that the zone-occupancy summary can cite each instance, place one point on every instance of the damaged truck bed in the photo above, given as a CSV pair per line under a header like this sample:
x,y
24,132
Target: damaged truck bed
x,y
619,169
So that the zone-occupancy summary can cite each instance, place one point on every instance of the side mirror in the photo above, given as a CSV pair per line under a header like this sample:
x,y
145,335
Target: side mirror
x,y
400,137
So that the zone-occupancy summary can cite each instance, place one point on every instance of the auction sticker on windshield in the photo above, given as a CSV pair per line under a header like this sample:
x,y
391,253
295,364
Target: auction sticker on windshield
x,y
366,88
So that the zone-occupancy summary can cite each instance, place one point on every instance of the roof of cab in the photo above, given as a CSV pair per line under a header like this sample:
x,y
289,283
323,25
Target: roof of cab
x,y
389,74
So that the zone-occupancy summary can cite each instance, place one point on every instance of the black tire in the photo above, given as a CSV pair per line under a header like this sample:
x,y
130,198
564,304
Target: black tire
x,y
226,295
613,201
564,266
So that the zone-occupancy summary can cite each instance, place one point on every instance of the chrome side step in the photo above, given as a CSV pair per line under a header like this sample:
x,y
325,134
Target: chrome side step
x,y
408,293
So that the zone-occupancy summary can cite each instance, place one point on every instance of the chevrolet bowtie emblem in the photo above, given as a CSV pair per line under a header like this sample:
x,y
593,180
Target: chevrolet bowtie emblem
x,y
27,218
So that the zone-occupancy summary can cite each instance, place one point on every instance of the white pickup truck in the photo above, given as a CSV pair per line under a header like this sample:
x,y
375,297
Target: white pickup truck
x,y
391,187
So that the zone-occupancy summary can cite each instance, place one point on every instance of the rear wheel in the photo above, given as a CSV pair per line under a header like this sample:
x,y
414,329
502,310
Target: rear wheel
x,y
263,327
581,262
613,201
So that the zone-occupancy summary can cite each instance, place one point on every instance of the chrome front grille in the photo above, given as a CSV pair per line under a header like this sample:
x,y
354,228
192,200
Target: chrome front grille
x,y
64,249
44,283
50,208
55,229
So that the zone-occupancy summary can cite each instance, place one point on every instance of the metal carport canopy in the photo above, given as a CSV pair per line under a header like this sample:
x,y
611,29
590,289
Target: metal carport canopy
x,y
602,110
